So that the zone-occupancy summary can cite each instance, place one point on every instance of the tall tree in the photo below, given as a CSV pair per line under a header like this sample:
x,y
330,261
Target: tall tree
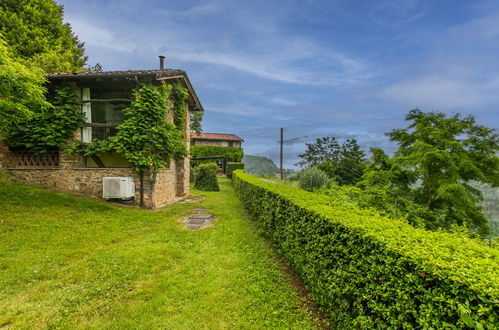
x,y
21,89
344,163
35,31
444,155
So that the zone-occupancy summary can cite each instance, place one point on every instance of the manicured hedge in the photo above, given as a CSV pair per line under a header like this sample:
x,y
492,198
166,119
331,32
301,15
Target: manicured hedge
x,y
205,177
368,271
232,153
231,167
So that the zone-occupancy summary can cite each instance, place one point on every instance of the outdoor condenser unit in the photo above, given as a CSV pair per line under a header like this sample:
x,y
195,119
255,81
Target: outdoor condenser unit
x,y
118,188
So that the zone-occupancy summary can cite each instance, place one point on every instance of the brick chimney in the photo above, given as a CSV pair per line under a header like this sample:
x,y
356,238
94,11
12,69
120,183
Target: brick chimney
x,y
161,62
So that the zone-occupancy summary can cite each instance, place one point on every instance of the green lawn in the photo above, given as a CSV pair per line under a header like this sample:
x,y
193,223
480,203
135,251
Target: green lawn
x,y
72,262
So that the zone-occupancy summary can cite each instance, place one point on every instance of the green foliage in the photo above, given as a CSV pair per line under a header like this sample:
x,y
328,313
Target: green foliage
x,y
147,139
36,32
196,119
344,164
50,127
179,95
205,177
313,178
21,90
232,153
260,166
368,271
232,167
440,157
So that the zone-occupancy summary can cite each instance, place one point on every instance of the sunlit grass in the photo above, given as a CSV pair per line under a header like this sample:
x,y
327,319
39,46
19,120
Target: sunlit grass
x,y
71,262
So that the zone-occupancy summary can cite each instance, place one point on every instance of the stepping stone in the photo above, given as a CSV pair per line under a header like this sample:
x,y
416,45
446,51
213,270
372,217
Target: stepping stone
x,y
201,216
200,210
196,221
193,227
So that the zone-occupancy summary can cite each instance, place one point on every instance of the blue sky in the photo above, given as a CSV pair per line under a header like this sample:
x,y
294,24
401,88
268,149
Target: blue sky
x,y
343,68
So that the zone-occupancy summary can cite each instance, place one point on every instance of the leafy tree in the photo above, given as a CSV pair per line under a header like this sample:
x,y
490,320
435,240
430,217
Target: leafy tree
x,y
35,31
21,89
49,128
443,156
344,163
196,119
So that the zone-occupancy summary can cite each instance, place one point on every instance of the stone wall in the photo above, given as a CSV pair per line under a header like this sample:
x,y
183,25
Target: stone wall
x,y
160,189
216,143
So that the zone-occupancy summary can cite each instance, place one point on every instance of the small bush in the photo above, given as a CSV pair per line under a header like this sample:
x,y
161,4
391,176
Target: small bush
x,y
232,167
206,177
313,178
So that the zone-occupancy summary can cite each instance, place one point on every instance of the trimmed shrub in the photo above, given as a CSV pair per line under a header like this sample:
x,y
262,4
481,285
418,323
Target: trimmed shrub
x,y
313,178
368,271
232,167
206,177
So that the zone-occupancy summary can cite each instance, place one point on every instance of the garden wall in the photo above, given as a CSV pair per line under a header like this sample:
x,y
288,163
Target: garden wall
x,y
70,176
368,271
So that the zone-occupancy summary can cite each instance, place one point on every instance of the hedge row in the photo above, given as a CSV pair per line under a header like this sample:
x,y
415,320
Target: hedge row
x,y
233,153
368,271
231,167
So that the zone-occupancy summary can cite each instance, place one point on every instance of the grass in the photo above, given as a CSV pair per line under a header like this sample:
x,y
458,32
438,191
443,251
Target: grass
x,y
72,262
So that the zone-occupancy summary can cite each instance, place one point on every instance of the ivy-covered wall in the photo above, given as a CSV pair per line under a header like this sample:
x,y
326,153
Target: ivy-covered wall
x,y
153,140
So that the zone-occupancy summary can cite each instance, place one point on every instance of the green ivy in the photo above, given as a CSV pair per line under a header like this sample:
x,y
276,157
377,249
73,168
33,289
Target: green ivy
x,y
146,139
209,151
50,127
367,271
179,95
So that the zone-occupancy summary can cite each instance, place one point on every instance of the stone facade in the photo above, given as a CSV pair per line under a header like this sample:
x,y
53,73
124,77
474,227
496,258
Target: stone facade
x,y
167,186
216,143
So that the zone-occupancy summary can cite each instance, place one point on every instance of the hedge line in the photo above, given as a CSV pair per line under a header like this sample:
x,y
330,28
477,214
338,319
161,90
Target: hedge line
x,y
368,271
231,167
207,151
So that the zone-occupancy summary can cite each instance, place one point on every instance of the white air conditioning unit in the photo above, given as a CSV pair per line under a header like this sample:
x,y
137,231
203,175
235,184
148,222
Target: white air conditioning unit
x,y
118,188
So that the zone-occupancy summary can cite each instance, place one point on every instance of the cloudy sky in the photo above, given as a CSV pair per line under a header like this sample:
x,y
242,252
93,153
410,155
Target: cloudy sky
x,y
346,68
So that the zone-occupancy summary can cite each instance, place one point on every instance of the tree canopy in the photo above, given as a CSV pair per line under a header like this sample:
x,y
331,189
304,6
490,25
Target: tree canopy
x,y
442,156
343,163
21,89
35,31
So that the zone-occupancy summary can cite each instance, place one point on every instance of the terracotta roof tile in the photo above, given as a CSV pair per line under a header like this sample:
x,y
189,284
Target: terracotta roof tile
x,y
215,136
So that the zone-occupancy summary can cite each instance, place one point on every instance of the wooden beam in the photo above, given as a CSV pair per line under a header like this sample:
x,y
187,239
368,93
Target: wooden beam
x,y
106,100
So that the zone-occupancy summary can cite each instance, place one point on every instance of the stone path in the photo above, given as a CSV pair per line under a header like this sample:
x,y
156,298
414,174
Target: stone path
x,y
192,199
198,221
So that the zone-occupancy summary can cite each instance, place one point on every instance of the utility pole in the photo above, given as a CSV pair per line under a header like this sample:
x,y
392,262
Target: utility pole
x,y
282,140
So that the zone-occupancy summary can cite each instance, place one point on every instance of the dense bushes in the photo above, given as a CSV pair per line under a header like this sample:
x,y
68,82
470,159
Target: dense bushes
x,y
205,177
313,178
231,167
231,153
368,271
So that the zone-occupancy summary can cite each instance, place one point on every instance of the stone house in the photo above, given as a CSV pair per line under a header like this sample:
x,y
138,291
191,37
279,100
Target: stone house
x,y
216,139
103,96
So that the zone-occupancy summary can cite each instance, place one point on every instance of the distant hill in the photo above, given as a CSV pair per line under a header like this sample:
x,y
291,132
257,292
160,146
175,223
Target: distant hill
x,y
259,166
491,205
